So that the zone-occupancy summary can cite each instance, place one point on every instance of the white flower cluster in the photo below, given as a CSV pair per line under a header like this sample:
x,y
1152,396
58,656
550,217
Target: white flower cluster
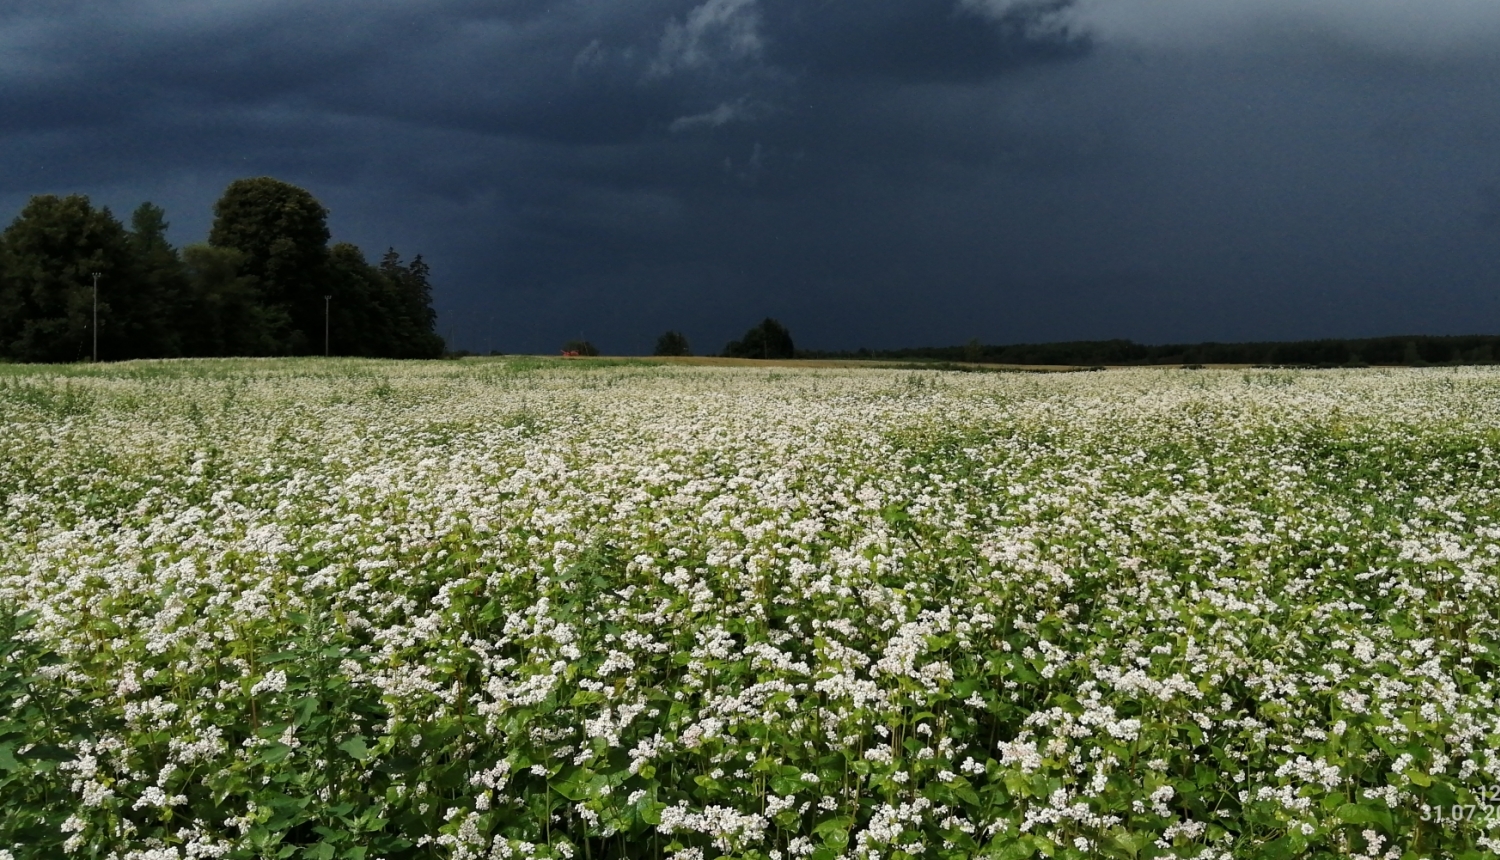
x,y
730,829
752,603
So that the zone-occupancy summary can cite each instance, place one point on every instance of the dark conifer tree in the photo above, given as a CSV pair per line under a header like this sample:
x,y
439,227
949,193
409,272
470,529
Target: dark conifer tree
x,y
408,298
157,325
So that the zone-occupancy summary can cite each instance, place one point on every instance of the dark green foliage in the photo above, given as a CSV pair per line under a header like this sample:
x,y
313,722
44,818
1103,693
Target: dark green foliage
x,y
973,350
359,322
224,313
1410,350
29,783
672,343
46,297
579,347
770,339
407,300
283,232
257,288
163,290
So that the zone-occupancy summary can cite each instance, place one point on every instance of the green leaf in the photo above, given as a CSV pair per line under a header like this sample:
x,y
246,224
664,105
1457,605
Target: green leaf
x,y
273,753
1353,813
1008,847
306,707
356,748
1284,848
7,761
782,785
1017,784
708,782
835,832
1131,843
586,697
572,788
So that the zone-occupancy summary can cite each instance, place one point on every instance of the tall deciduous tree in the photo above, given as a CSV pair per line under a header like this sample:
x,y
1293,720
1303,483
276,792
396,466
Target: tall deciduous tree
x,y
257,287
770,339
224,313
283,232
46,297
672,343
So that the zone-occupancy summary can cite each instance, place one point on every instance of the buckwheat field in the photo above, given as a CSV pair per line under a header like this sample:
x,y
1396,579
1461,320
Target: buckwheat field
x,y
533,609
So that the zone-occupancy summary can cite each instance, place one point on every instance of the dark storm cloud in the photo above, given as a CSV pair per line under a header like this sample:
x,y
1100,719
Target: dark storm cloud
x,y
878,172
902,41
1489,206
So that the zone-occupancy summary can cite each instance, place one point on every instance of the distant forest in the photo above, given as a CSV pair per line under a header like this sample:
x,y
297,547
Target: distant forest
x,y
1412,351
265,283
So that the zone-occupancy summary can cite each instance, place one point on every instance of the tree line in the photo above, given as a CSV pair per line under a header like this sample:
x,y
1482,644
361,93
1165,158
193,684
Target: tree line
x,y
770,339
1410,350
766,339
265,283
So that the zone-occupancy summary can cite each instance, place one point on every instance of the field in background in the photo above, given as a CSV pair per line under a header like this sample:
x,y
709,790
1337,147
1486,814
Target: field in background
x,y
826,363
808,363
544,608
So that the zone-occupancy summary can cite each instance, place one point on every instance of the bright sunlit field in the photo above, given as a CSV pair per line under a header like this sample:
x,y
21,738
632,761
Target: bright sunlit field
x,y
525,608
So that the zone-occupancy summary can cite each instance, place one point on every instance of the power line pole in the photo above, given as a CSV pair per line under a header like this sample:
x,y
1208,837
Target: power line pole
x,y
325,325
96,317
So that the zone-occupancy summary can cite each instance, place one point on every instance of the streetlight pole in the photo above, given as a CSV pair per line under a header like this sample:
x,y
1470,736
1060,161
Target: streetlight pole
x,y
325,325
96,317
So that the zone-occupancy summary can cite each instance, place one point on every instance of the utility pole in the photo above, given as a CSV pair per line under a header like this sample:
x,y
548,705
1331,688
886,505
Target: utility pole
x,y
96,317
325,325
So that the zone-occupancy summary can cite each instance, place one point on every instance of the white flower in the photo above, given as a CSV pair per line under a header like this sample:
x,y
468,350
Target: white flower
x,y
273,682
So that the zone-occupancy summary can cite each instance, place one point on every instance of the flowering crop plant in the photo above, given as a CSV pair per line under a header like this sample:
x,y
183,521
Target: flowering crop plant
x,y
521,608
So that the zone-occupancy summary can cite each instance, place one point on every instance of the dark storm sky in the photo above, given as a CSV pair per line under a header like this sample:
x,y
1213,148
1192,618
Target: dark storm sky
x,y
870,172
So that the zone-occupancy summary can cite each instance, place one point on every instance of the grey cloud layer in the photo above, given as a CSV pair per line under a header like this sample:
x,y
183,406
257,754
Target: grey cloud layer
x,y
1433,30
